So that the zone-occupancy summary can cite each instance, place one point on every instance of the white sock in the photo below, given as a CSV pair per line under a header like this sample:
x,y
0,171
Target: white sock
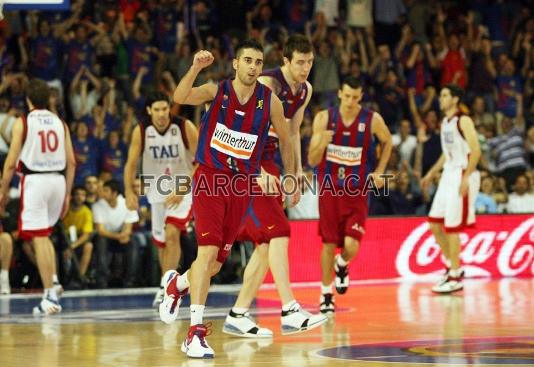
x,y
197,314
340,261
50,293
239,310
326,288
288,305
447,263
182,282
55,280
4,274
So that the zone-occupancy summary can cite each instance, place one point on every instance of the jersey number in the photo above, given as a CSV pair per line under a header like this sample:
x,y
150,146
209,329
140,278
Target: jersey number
x,y
232,164
341,173
49,141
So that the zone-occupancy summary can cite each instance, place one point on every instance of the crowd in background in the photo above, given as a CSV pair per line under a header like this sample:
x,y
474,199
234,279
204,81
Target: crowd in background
x,y
102,57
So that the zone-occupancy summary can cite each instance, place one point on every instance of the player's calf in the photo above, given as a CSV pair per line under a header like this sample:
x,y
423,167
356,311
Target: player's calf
x,y
342,275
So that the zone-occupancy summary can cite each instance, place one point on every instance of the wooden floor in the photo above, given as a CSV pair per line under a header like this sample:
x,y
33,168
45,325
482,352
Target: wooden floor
x,y
491,323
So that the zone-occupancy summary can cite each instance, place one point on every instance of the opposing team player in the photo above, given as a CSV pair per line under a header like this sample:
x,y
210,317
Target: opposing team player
x,y
343,147
453,207
166,146
267,225
233,134
41,151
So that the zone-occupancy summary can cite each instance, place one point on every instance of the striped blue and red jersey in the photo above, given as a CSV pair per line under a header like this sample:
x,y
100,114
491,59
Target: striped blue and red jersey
x,y
291,102
232,136
351,155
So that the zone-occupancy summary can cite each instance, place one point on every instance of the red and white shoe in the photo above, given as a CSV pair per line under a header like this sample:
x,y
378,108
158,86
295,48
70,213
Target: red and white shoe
x,y
195,344
172,298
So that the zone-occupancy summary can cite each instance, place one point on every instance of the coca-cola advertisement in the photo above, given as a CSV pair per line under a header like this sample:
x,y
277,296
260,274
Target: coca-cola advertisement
x,y
498,246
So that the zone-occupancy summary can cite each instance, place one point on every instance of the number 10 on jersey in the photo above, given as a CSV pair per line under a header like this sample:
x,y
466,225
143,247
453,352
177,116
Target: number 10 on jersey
x,y
49,141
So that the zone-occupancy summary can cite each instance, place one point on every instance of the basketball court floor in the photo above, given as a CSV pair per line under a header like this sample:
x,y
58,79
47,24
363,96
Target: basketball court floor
x,y
490,323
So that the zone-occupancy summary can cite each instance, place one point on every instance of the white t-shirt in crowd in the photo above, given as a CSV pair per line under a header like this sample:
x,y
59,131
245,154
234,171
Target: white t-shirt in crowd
x,y
520,203
330,8
113,218
359,13
406,148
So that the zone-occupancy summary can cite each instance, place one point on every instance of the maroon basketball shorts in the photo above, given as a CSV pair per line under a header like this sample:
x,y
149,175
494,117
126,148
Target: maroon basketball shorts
x,y
219,205
265,217
341,215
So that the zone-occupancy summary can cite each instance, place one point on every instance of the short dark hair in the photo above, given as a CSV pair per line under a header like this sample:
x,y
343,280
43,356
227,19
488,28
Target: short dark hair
x,y
78,188
297,42
456,91
250,43
38,92
113,185
353,82
156,96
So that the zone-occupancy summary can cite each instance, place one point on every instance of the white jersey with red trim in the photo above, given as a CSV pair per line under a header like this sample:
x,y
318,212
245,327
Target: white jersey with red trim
x,y
164,154
43,147
453,143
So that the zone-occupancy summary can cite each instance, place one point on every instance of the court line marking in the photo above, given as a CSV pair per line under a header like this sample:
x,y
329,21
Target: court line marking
x,y
315,352
216,288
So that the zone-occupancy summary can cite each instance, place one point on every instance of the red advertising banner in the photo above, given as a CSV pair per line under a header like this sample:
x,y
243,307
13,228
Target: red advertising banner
x,y
499,246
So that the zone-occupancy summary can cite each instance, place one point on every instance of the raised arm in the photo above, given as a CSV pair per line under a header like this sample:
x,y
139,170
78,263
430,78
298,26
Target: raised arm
x,y
185,93
429,99
76,81
363,51
136,86
413,108
60,30
94,80
23,53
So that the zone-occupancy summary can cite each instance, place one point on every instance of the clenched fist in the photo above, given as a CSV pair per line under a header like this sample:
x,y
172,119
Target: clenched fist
x,y
202,59
326,137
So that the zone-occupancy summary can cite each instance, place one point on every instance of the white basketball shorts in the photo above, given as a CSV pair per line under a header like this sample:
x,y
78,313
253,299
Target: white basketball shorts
x,y
448,207
178,216
41,199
